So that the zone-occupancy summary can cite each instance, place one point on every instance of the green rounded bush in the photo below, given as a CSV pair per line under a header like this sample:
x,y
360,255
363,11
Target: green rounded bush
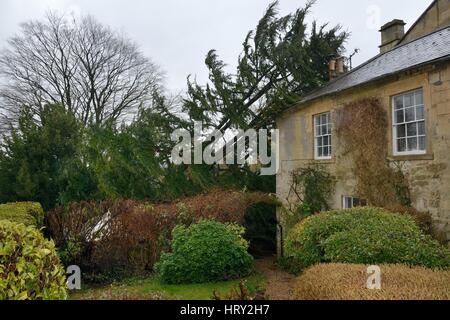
x,y
205,252
362,236
29,266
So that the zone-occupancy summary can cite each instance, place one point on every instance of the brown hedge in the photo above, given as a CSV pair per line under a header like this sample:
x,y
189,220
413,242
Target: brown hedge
x,y
138,231
348,282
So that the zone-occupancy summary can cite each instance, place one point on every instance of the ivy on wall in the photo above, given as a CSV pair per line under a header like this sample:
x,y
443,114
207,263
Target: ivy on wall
x,y
361,127
311,190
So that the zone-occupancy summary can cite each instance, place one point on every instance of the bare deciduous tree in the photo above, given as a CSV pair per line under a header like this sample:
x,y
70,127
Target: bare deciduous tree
x,y
93,71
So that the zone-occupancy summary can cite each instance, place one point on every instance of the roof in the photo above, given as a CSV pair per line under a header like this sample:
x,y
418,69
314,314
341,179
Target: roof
x,y
430,48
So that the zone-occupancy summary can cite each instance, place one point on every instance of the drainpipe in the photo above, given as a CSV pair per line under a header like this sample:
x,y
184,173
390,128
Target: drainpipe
x,y
280,232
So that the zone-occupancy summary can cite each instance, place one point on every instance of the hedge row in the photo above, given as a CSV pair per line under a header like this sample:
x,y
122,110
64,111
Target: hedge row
x,y
110,239
28,213
349,282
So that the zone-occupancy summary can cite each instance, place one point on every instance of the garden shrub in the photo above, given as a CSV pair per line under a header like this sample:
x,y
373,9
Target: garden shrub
x,y
362,235
205,252
29,266
348,282
28,213
423,219
112,239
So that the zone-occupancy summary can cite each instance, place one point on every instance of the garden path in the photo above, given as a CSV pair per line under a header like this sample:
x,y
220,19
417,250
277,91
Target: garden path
x,y
280,284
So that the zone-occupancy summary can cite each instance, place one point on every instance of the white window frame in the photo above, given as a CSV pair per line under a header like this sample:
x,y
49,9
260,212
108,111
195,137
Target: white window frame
x,y
345,198
317,136
394,126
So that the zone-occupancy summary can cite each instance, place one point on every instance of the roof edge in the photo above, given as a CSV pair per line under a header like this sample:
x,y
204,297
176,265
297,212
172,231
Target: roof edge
x,y
303,102
369,61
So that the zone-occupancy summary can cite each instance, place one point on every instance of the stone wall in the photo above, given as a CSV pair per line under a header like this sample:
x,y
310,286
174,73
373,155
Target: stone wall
x,y
437,16
428,175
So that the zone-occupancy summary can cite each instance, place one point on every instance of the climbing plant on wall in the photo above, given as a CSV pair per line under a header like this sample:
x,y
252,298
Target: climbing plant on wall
x,y
310,192
361,127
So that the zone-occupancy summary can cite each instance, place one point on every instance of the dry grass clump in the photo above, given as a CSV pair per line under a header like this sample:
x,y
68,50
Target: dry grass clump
x,y
349,281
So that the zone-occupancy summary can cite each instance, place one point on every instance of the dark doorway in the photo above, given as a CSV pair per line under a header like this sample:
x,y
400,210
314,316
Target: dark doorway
x,y
261,229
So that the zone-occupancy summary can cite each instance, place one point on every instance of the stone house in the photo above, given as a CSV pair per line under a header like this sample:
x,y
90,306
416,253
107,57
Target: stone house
x,y
411,79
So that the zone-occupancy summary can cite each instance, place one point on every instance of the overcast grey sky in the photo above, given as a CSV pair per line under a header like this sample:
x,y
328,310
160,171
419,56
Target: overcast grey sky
x,y
177,34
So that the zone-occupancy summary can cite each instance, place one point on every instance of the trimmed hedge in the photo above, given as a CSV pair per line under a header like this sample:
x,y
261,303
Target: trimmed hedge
x,y
362,235
348,282
120,238
205,252
29,266
28,213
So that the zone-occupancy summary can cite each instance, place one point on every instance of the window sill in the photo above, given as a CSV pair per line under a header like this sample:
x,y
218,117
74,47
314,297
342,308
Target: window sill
x,y
325,160
411,157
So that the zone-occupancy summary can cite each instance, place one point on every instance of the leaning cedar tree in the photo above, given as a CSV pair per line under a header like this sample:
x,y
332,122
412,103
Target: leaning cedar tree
x,y
361,127
93,71
281,60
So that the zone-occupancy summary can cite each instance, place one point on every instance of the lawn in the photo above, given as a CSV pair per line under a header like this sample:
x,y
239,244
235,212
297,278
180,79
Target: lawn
x,y
151,288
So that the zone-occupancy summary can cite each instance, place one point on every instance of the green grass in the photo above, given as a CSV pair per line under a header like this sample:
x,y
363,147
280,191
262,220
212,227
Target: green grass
x,y
152,288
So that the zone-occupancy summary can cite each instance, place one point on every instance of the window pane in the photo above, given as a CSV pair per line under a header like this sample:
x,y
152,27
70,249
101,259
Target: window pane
x,y
355,202
421,130
323,134
409,100
409,115
348,203
325,141
420,113
401,131
401,145
412,129
398,102
422,144
419,97
412,144
400,116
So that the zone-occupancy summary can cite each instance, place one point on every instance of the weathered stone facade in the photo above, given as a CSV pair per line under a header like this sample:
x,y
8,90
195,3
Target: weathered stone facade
x,y
435,17
428,174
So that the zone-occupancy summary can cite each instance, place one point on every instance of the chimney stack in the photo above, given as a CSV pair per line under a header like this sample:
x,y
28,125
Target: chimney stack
x,y
391,33
337,67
